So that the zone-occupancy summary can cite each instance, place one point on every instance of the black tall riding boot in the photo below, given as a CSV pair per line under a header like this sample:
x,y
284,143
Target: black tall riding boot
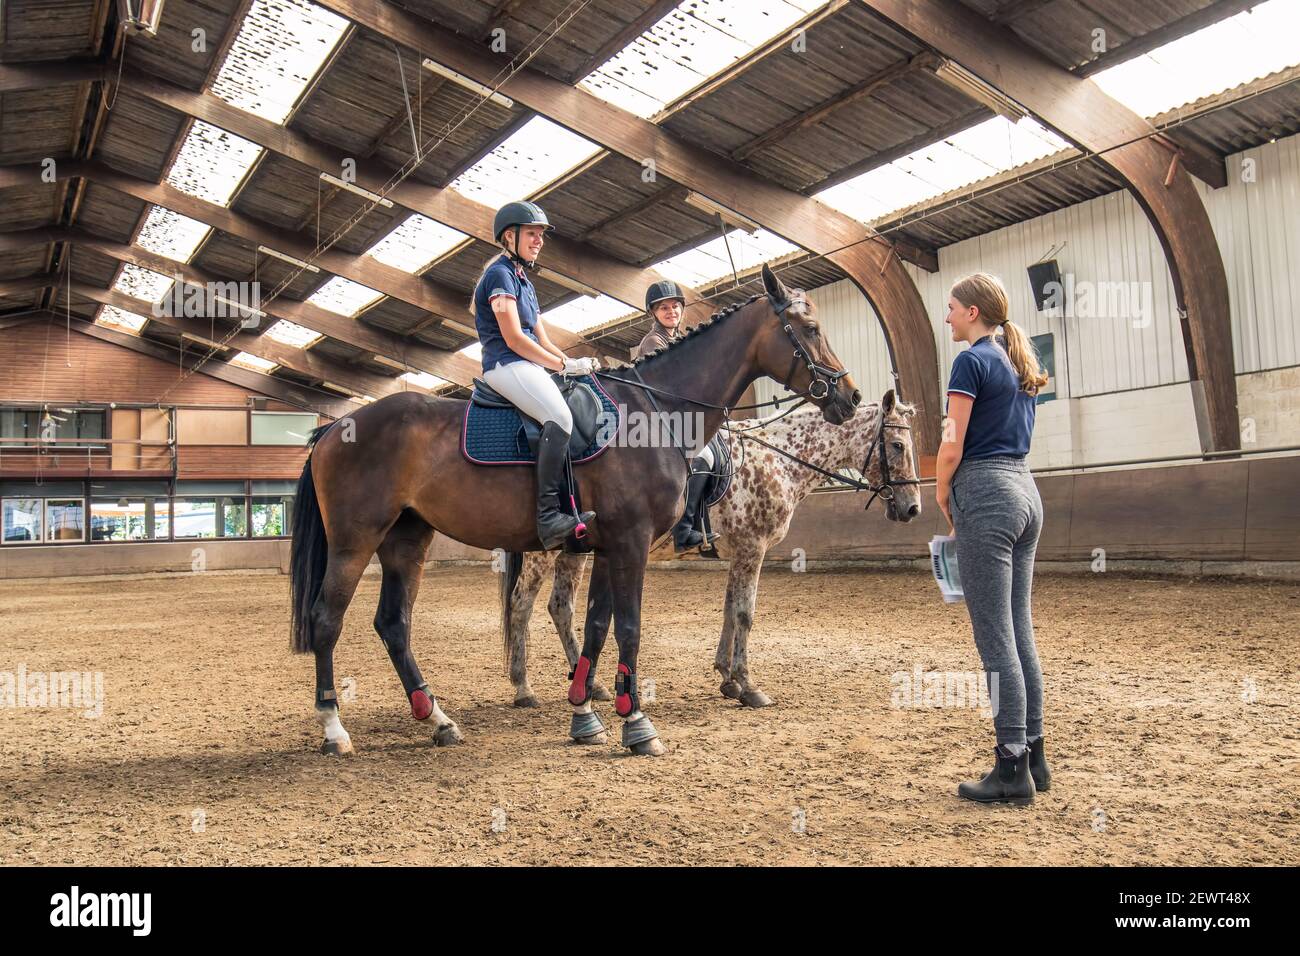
x,y
685,534
1008,782
554,524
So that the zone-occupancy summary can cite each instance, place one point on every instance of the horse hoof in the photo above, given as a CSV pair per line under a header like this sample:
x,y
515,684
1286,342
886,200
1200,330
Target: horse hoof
x,y
648,748
755,698
447,735
337,748
731,689
598,692
640,736
586,728
529,700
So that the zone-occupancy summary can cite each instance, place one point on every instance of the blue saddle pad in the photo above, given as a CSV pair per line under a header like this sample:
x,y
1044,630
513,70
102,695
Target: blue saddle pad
x,y
495,436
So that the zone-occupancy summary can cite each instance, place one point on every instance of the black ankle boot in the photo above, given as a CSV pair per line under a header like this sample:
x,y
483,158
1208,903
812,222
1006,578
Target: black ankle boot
x,y
1038,768
685,534
1008,782
553,524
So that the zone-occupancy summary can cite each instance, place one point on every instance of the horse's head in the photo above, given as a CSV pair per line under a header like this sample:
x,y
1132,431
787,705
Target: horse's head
x,y
889,461
792,350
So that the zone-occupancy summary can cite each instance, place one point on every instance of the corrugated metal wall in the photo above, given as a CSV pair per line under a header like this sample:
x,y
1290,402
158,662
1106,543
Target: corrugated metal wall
x,y
1120,329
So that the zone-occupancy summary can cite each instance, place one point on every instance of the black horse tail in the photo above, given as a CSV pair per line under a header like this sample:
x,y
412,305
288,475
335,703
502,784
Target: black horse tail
x,y
514,566
307,558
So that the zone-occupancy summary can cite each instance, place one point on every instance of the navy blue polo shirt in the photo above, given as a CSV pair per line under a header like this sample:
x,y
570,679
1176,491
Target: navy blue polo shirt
x,y
503,278
1002,416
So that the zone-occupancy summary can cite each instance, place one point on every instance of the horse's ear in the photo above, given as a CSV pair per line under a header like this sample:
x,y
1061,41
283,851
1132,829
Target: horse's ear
x,y
776,291
887,404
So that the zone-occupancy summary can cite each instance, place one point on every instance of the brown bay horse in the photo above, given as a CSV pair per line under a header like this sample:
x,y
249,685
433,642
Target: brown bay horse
x,y
387,477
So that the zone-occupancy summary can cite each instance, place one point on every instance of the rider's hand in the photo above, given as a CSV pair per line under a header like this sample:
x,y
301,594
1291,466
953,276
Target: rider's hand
x,y
580,366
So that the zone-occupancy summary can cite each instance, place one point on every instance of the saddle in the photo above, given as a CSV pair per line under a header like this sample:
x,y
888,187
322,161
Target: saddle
x,y
723,471
496,432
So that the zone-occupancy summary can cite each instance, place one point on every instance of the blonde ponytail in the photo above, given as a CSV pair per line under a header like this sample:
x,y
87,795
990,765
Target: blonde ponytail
x,y
1023,358
985,292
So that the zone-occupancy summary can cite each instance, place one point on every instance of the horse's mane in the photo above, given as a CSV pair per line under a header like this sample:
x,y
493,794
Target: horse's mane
x,y
701,328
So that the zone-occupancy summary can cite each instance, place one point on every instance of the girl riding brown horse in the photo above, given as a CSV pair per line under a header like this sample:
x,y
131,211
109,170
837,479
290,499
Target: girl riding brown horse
x,y
385,478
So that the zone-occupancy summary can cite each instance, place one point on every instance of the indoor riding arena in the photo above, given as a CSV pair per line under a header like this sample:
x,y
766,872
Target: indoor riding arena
x,y
234,232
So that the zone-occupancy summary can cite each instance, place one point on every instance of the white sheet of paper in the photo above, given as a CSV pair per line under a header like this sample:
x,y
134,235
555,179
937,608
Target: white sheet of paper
x,y
943,563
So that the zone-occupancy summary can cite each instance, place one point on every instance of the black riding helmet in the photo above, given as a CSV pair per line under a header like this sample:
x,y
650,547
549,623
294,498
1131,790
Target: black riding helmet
x,y
667,289
516,215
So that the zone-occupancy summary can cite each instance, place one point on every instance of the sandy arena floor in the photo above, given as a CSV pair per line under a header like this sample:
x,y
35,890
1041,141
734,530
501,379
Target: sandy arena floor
x,y
1173,724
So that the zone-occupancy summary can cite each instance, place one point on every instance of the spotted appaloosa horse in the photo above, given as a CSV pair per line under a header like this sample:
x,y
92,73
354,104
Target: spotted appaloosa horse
x,y
753,517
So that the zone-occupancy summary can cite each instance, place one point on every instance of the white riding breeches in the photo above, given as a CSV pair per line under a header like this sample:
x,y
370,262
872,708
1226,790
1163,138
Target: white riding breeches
x,y
533,392
705,455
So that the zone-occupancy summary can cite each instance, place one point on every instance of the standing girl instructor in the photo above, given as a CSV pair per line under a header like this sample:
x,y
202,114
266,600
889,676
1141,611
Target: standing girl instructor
x,y
985,490
517,353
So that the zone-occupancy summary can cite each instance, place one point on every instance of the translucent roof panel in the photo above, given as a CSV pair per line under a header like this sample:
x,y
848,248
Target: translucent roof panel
x,y
710,260
290,334
344,296
474,350
586,312
170,234
984,150
117,319
690,44
279,49
423,379
212,163
143,283
415,243
534,155
244,360
1223,55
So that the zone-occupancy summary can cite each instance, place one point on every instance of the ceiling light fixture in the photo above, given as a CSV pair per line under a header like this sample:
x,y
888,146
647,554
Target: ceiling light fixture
x,y
354,188
293,261
140,16
964,81
473,85
729,216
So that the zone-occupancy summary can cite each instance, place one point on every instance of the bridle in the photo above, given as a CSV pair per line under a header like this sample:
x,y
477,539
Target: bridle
x,y
884,490
823,378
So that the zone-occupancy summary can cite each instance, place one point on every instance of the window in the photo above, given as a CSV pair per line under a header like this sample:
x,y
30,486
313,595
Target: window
x,y
65,519
282,428
17,424
195,518
272,510
21,519
119,519
64,424
272,516
162,519
232,517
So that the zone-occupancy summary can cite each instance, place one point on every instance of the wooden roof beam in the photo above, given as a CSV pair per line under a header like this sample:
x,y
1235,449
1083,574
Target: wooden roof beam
x,y
858,91
843,240
418,356
1081,111
575,259
327,403
302,361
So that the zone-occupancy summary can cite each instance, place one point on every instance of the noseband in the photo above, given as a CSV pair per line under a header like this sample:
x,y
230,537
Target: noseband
x,y
884,490
823,378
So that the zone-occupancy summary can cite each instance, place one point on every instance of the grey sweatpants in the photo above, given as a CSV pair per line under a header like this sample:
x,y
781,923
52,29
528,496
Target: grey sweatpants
x,y
998,514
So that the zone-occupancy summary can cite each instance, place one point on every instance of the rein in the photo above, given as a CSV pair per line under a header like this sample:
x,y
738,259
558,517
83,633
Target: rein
x,y
884,490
